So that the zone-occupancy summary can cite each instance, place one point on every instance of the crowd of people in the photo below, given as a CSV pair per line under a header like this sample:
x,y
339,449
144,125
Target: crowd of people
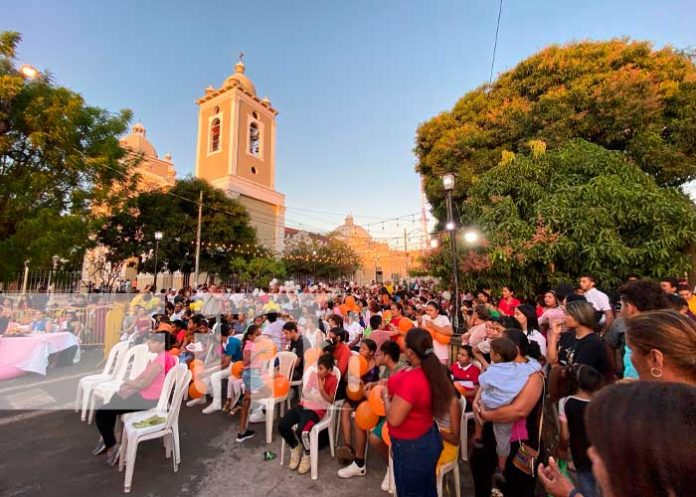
x,y
564,387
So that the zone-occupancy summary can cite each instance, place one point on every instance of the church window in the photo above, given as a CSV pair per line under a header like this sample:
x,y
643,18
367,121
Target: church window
x,y
215,135
254,139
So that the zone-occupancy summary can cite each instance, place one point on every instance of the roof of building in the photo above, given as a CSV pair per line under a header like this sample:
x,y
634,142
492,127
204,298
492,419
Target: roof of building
x,y
241,78
350,230
137,142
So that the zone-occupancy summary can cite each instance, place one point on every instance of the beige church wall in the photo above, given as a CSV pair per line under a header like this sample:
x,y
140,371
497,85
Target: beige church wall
x,y
245,160
214,165
263,218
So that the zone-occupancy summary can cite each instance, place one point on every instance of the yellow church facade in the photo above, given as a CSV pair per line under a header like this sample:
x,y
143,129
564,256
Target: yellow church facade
x,y
235,152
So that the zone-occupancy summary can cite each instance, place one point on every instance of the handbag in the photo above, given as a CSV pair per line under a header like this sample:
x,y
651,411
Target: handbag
x,y
526,456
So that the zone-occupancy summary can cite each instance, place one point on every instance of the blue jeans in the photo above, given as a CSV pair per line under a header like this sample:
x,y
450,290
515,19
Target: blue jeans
x,y
415,462
586,483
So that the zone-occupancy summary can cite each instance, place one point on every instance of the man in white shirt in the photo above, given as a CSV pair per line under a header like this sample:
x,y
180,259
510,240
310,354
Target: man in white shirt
x,y
599,301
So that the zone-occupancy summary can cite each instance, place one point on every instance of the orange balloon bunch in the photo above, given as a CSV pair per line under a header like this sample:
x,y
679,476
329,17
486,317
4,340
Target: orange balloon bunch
x,y
237,369
375,400
365,417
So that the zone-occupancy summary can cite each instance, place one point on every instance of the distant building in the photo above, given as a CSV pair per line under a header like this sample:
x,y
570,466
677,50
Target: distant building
x,y
155,173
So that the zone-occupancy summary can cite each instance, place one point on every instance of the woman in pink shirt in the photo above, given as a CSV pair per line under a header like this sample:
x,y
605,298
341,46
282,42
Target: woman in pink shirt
x,y
138,394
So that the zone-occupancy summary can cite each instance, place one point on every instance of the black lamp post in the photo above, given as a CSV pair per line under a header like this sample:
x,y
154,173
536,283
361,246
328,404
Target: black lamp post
x,y
448,185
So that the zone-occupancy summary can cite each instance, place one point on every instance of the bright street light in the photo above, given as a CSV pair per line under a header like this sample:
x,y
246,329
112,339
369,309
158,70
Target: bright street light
x,y
158,235
450,226
29,72
448,182
434,243
471,237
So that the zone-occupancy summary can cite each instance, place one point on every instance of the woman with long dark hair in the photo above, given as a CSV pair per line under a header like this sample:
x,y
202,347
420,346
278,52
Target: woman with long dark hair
x,y
658,443
413,397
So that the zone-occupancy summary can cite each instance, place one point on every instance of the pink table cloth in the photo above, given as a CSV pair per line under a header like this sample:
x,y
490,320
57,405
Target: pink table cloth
x,y
20,355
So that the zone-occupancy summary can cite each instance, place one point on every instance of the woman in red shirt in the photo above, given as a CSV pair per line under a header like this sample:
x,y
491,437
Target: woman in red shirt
x,y
412,398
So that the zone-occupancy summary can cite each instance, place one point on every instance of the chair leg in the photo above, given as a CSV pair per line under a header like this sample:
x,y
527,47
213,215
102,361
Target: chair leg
x,y
282,451
457,484
123,451
177,447
314,453
464,450
78,397
92,407
85,404
332,441
130,464
440,479
270,411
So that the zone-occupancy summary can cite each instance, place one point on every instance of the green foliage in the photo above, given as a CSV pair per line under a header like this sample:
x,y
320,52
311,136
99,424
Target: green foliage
x,y
258,271
578,209
620,94
129,230
323,260
59,158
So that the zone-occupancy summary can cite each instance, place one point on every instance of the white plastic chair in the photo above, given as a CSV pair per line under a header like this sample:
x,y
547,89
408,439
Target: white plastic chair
x,y
134,363
286,365
453,467
84,387
464,431
175,384
327,423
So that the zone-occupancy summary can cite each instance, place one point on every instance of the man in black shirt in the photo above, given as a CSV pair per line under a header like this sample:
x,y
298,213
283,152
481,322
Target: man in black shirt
x,y
295,344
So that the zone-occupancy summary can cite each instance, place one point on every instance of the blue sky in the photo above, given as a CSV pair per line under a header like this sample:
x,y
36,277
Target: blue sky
x,y
352,80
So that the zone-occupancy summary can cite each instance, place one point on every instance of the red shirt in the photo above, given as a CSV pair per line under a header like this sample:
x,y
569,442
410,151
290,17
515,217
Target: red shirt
x,y
342,356
508,308
413,387
467,376
330,384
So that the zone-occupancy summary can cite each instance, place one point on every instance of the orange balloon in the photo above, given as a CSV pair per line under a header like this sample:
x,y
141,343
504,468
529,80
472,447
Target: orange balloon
x,y
375,400
281,385
355,395
365,418
364,365
174,351
237,368
196,364
344,309
441,338
385,434
197,389
459,388
405,324
386,317
311,356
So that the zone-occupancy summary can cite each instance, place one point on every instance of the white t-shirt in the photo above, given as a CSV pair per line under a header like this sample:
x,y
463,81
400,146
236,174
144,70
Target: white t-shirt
x,y
536,336
599,300
354,329
441,351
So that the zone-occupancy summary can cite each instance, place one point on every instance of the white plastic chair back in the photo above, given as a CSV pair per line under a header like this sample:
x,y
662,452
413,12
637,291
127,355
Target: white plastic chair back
x,y
116,353
171,381
140,360
128,360
286,363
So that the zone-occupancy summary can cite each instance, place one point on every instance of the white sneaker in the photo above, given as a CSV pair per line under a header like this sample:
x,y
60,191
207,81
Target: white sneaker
x,y
386,483
257,417
215,406
196,402
295,457
304,464
352,470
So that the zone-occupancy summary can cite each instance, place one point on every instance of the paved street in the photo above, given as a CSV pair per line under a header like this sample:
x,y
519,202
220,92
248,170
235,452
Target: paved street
x,y
48,453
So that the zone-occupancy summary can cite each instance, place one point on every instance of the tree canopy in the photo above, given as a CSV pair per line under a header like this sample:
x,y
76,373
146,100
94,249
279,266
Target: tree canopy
x,y
332,259
548,217
620,94
128,231
59,158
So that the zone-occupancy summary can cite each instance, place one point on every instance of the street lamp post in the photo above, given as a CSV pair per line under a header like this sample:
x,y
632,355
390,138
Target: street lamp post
x,y
448,185
314,260
158,237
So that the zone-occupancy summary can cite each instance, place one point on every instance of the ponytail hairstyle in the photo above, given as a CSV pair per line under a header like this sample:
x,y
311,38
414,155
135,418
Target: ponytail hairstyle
x,y
527,348
251,330
441,391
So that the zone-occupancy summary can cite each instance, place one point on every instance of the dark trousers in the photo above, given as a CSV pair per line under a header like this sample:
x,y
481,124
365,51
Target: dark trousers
x,y
105,417
415,462
484,461
303,418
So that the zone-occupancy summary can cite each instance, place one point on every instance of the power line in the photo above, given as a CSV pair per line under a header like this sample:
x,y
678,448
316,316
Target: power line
x,y
495,44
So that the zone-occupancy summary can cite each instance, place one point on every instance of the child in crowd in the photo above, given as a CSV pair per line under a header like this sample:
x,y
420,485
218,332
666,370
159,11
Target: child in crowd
x,y
499,385
317,396
466,375
253,381
572,419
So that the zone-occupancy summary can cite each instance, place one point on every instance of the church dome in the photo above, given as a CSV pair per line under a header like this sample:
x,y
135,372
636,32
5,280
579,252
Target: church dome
x,y
137,142
350,230
240,78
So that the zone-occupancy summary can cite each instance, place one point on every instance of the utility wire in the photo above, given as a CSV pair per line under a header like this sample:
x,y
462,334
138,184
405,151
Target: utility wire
x,y
495,44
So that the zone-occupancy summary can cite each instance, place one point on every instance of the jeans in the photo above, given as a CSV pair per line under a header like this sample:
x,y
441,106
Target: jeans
x,y
586,483
415,462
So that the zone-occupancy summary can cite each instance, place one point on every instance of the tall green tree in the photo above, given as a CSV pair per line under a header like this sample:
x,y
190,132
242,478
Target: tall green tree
x,y
581,208
129,230
620,94
59,159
